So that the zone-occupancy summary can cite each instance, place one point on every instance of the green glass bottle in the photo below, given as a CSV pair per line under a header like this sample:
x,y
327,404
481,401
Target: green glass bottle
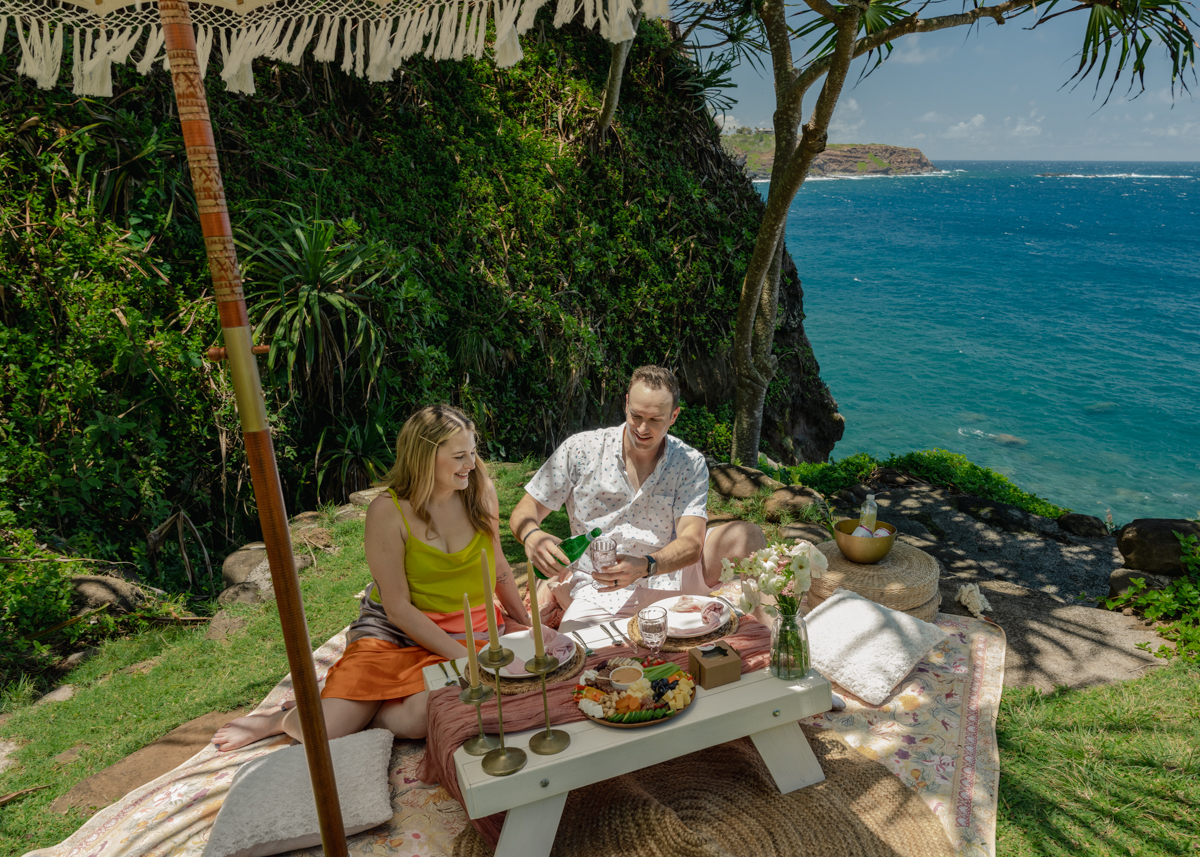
x,y
573,548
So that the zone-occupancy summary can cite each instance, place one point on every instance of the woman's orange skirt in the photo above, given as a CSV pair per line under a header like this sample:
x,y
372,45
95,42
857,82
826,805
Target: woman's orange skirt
x,y
373,669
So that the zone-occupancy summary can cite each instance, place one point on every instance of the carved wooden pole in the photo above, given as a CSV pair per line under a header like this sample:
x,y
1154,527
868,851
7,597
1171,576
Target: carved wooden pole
x,y
192,102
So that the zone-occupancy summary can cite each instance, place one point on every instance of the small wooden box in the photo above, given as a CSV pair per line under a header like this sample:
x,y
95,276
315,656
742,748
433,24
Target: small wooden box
x,y
719,665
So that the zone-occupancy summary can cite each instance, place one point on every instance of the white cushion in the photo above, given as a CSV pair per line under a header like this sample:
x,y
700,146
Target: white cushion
x,y
865,647
270,807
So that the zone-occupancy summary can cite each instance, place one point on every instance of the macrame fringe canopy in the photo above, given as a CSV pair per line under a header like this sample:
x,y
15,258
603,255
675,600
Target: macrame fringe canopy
x,y
373,38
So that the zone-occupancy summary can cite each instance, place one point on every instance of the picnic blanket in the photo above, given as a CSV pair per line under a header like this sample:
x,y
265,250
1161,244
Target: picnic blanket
x,y
936,733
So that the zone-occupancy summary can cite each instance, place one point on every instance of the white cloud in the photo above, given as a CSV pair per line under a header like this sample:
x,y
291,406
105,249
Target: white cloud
x,y
846,110
910,52
727,122
934,116
1186,130
971,129
1026,126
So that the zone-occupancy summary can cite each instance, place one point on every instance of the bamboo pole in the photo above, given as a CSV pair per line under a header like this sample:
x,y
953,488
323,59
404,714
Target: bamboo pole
x,y
192,101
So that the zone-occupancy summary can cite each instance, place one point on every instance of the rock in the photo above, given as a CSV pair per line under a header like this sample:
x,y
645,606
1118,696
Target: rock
x,y
241,562
70,755
364,497
1118,581
997,514
222,625
59,694
92,592
349,512
790,498
732,480
241,593
312,536
1009,440
306,519
260,575
1149,544
1088,526
74,660
907,526
888,476
846,497
814,533
721,518
7,748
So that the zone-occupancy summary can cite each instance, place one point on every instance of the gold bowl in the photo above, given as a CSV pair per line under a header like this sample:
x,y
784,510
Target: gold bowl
x,y
860,549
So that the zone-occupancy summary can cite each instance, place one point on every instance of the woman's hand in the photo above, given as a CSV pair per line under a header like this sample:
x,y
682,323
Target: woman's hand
x,y
545,555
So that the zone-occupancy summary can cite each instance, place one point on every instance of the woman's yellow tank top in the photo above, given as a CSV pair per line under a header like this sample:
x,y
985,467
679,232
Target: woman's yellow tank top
x,y
436,579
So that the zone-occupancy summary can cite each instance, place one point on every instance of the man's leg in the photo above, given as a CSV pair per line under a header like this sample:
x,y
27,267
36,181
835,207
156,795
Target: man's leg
x,y
733,541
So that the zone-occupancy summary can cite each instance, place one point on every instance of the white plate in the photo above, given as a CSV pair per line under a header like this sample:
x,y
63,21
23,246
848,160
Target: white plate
x,y
521,643
688,624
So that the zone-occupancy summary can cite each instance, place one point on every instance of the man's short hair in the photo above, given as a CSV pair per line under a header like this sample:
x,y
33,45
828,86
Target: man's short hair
x,y
657,378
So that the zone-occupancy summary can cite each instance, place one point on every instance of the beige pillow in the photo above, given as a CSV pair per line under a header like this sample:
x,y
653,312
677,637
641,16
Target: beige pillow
x,y
270,807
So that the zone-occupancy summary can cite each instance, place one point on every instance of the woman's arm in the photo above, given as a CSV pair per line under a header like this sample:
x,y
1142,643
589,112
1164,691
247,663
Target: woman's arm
x,y
385,557
506,582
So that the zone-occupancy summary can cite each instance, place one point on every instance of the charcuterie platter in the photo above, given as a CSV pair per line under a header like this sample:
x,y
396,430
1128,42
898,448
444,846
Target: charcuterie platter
x,y
628,693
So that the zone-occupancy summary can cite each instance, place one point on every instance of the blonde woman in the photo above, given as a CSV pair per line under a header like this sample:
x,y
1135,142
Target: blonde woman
x,y
423,540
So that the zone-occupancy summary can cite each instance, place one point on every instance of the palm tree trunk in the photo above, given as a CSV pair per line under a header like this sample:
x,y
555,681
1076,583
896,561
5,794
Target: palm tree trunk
x,y
192,101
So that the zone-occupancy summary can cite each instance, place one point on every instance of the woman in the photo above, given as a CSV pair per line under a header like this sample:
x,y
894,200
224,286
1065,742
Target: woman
x,y
423,540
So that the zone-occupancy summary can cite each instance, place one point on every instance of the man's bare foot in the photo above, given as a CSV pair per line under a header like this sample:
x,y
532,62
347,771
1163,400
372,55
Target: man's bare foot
x,y
246,730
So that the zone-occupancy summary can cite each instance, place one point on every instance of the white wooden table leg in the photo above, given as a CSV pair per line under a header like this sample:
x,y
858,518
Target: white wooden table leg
x,y
789,758
529,829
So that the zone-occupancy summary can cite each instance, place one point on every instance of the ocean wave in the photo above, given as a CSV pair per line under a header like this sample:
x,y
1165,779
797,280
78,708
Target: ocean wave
x,y
1107,176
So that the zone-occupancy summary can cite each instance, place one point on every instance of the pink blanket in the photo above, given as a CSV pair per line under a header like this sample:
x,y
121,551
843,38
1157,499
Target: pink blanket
x,y
451,722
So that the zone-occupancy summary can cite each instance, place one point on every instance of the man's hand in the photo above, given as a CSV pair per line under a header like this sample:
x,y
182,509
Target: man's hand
x,y
545,555
626,571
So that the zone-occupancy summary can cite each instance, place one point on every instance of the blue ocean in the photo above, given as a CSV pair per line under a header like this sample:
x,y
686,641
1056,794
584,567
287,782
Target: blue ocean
x,y
1044,326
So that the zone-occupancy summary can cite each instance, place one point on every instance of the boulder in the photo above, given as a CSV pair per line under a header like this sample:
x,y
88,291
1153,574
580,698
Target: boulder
x,y
241,593
306,519
1118,581
733,480
91,592
790,498
1088,526
222,625
1149,544
59,694
364,497
996,514
349,512
76,658
241,562
814,533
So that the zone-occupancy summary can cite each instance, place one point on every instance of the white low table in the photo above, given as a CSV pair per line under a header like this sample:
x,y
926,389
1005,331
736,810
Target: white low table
x,y
761,706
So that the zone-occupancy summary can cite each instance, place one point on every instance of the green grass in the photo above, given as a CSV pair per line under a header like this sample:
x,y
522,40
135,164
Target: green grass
x,y
1112,770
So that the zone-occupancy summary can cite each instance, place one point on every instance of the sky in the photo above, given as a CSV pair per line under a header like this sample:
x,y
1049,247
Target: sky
x,y
997,93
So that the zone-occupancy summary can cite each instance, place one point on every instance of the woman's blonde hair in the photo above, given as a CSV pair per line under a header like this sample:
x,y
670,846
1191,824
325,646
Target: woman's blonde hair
x,y
412,476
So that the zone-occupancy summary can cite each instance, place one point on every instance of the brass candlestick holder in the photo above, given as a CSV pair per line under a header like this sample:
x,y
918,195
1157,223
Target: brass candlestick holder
x,y
481,744
503,760
552,740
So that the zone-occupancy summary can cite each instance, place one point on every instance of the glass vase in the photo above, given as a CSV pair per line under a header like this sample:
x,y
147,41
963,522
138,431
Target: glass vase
x,y
789,646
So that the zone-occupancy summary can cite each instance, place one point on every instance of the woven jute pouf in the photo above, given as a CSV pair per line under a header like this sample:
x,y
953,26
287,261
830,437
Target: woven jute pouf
x,y
906,578
722,802
927,611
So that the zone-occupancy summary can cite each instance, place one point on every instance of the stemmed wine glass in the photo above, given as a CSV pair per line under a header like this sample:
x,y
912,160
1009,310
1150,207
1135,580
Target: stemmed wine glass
x,y
652,624
604,555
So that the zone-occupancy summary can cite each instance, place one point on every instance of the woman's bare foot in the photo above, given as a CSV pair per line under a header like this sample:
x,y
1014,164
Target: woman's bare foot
x,y
246,730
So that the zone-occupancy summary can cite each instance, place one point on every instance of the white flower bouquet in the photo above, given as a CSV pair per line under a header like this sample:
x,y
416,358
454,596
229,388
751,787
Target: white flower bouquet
x,y
783,571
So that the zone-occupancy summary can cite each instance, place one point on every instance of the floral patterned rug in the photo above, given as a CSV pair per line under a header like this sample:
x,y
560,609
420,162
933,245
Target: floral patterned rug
x,y
937,733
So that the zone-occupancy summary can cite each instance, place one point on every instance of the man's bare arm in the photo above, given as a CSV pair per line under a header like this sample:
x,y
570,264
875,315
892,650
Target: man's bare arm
x,y
525,523
684,550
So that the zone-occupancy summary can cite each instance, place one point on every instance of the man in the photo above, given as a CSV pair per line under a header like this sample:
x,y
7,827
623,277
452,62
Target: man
x,y
641,487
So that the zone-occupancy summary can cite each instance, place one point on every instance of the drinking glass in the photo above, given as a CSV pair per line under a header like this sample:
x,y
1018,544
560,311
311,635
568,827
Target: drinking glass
x,y
604,555
652,624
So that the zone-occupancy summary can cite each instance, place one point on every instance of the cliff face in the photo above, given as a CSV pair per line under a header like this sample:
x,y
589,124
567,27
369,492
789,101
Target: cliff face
x,y
757,151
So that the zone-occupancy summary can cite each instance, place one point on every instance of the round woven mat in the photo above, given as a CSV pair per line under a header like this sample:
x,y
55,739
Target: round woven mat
x,y
516,686
682,644
927,611
904,579
722,802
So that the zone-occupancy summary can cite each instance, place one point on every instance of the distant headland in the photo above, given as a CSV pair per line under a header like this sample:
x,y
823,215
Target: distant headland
x,y
756,151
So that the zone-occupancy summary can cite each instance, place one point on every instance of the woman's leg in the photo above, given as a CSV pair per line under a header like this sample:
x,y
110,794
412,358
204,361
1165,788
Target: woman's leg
x,y
404,718
246,730
342,717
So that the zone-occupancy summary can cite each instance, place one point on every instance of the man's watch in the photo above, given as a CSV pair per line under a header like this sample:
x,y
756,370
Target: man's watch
x,y
651,566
